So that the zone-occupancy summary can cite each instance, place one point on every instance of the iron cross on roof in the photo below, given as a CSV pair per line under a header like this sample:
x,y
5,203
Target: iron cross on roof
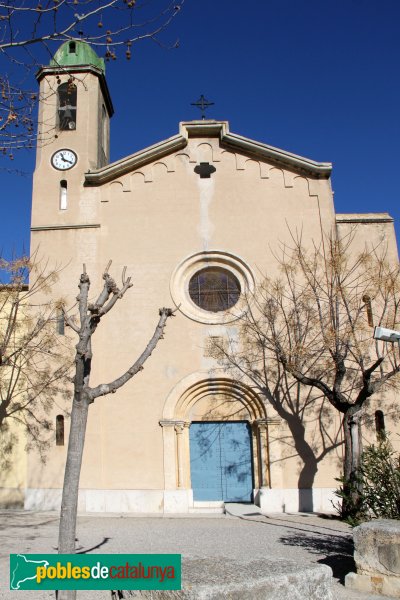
x,y
203,104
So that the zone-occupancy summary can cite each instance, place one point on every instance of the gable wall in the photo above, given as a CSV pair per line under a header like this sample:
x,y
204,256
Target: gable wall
x,y
150,220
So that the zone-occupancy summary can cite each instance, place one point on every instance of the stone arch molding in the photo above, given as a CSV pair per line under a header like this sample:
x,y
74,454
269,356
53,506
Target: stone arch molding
x,y
197,386
176,420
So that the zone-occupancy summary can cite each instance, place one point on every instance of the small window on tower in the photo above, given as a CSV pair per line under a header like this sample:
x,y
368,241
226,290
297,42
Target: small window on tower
x,y
67,94
59,430
72,48
63,195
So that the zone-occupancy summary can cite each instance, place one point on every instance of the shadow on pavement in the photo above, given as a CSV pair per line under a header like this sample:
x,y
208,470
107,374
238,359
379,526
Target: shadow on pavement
x,y
338,551
99,545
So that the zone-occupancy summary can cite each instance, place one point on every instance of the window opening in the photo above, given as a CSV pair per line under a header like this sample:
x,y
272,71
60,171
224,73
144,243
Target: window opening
x,y
59,430
214,289
60,323
67,98
368,307
63,195
72,48
380,424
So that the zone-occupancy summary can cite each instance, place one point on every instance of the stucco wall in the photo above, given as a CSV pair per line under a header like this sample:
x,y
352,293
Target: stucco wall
x,y
153,219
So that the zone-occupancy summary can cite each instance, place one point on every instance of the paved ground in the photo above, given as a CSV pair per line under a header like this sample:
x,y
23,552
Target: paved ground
x,y
243,534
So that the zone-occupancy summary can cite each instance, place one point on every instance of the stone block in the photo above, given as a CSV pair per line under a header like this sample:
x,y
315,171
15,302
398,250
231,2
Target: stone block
x,y
374,584
222,578
377,558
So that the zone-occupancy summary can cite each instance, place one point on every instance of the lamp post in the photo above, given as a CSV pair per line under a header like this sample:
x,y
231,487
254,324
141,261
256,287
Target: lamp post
x,y
386,335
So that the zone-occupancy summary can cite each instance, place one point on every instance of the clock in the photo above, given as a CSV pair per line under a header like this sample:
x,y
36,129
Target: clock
x,y
64,159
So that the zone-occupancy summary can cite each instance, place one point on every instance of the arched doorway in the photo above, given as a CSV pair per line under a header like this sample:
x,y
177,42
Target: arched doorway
x,y
217,427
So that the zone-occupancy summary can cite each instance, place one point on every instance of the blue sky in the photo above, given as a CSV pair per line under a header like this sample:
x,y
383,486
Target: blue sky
x,y
320,79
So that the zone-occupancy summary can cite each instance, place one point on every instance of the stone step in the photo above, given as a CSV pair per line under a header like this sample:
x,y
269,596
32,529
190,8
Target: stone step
x,y
226,579
208,507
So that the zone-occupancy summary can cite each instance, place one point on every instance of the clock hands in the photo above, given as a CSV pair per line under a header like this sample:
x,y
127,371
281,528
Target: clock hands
x,y
65,159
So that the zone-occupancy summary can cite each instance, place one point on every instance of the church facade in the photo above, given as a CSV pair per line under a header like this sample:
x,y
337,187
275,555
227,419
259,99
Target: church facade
x,y
198,212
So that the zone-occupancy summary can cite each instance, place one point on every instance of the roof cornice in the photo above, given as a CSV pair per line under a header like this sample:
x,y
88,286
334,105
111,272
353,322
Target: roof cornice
x,y
234,142
134,161
364,218
230,141
279,157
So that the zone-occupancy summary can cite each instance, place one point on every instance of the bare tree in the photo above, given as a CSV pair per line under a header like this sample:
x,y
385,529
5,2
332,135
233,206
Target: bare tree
x,y
90,315
314,322
33,357
30,30
311,434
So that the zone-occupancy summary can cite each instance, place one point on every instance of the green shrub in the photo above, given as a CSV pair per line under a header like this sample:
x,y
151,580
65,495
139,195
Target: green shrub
x,y
351,507
375,493
381,480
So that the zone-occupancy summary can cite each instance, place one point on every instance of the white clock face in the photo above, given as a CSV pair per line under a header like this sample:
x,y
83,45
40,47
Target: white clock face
x,y
64,159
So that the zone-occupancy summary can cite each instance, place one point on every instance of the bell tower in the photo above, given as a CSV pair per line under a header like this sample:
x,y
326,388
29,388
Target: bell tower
x,y
73,133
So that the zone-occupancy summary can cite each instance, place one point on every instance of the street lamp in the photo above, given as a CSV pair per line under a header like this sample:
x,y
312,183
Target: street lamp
x,y
386,335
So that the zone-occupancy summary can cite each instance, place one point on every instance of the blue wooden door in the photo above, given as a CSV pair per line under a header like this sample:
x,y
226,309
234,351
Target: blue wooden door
x,y
220,461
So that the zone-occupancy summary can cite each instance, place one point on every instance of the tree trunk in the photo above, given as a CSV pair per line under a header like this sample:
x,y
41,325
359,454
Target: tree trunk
x,y
69,503
90,315
351,504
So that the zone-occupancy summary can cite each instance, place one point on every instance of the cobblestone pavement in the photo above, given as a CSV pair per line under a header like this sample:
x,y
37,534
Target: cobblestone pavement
x,y
245,535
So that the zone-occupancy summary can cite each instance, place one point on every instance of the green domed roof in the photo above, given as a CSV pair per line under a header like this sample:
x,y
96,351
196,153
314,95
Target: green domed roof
x,y
77,52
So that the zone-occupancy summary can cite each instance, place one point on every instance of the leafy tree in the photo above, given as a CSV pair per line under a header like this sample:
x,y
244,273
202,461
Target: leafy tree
x,y
30,30
312,325
90,315
34,362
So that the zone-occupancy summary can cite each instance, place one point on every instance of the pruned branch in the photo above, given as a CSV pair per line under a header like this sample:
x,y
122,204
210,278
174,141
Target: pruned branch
x,y
103,304
69,322
107,388
84,285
